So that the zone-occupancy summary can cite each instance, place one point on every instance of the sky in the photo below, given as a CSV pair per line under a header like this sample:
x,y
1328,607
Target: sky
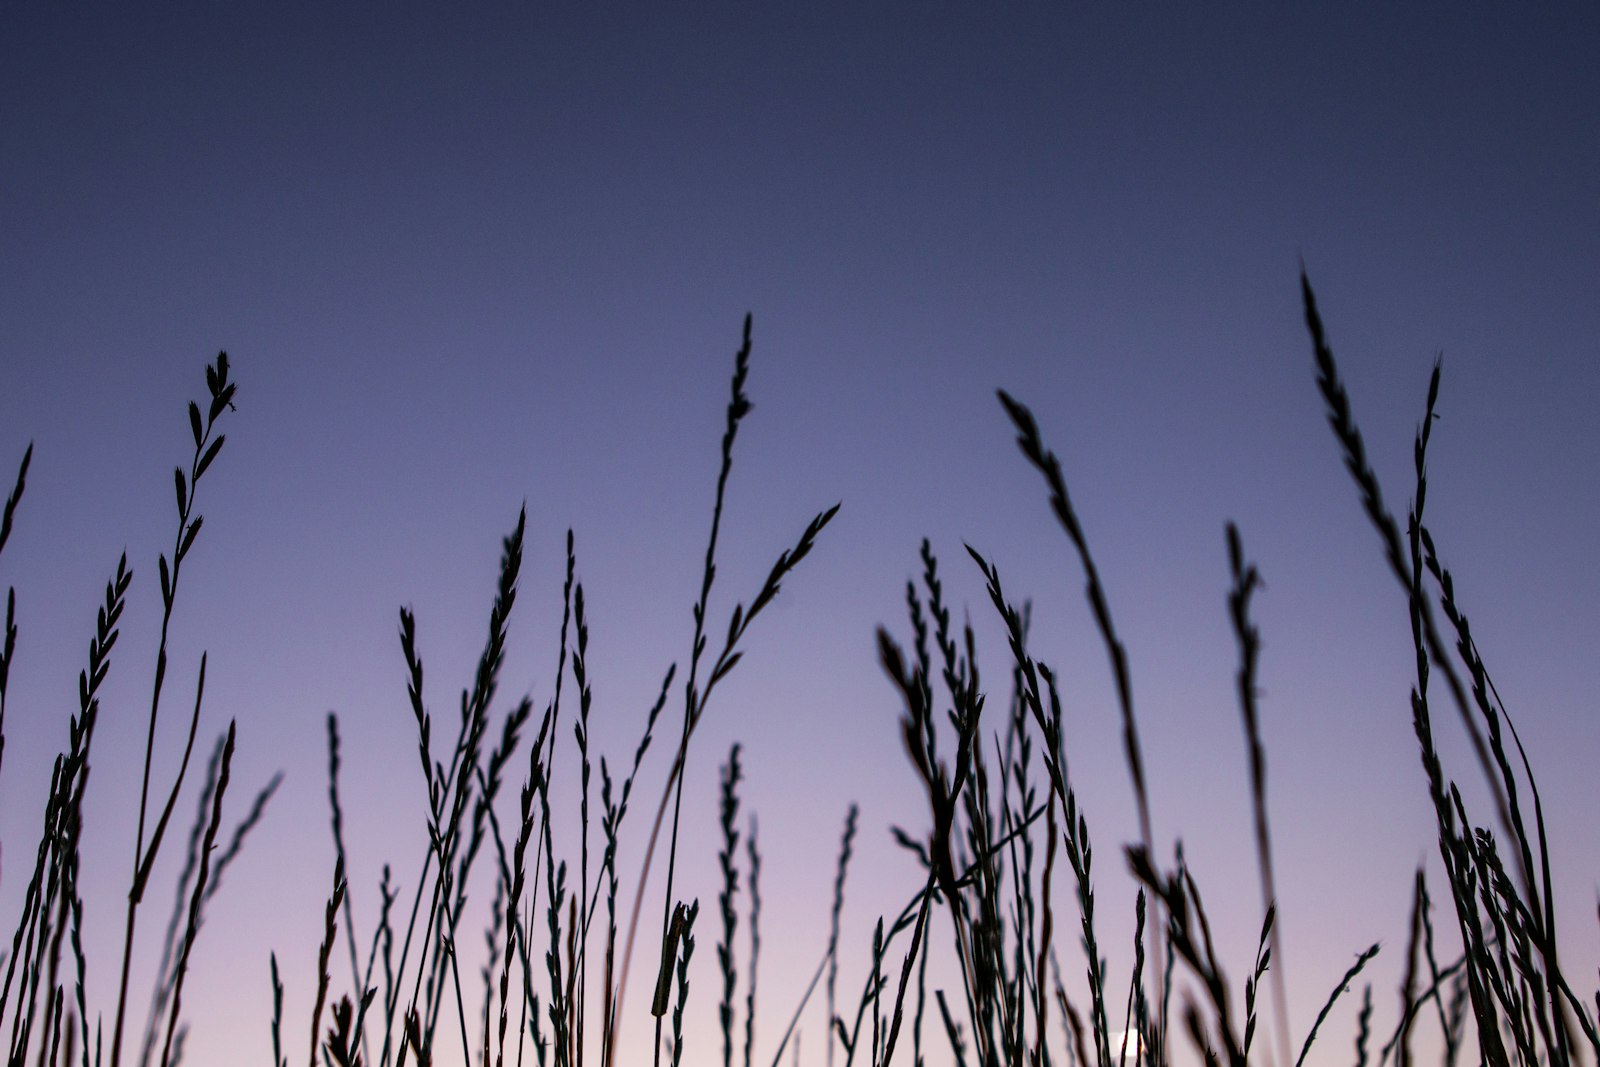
x,y
466,258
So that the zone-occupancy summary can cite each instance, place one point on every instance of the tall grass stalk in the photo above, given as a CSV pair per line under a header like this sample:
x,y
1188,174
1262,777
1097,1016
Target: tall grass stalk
x,y
727,858
1043,460
753,856
697,697
1246,580
8,640
207,443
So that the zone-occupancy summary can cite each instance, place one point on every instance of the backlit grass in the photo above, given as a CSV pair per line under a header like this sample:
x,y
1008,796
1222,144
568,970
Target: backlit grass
x,y
579,941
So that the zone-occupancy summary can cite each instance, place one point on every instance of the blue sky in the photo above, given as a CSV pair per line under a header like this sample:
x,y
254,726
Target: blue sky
x,y
463,259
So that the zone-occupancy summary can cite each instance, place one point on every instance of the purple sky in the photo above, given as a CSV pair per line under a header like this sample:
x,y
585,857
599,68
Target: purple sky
x,y
463,259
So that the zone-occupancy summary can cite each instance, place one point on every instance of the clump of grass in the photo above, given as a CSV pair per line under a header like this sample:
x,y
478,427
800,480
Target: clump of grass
x,y
1525,1011
53,903
979,859
552,1008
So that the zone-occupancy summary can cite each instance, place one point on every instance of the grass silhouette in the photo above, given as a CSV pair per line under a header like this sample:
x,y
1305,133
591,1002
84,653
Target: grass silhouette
x,y
1002,816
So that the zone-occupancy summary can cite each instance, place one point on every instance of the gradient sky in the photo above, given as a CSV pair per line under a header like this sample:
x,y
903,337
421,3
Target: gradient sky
x,y
464,257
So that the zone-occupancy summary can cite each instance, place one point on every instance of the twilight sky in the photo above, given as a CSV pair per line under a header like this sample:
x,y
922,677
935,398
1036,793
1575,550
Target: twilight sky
x,y
467,257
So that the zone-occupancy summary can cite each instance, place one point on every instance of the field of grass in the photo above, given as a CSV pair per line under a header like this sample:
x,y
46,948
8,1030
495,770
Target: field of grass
x,y
580,941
